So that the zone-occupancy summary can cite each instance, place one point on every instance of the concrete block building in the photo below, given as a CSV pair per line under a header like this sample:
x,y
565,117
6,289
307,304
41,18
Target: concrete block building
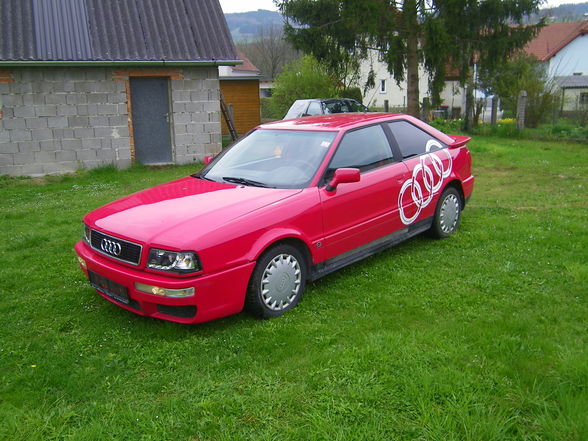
x,y
85,83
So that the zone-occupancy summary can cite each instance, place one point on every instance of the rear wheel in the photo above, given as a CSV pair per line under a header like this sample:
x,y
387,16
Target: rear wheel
x,y
277,282
447,214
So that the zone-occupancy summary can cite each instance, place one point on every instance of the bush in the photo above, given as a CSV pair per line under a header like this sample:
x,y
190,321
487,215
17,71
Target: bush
x,y
302,79
351,92
268,110
564,130
523,72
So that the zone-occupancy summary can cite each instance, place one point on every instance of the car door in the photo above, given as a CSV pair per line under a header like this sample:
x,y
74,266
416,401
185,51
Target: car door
x,y
360,212
429,162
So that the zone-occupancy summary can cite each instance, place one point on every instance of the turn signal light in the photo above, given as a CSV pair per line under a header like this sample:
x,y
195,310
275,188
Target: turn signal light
x,y
82,263
164,292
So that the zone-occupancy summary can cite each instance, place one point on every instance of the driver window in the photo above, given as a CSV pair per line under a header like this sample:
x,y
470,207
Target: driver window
x,y
365,149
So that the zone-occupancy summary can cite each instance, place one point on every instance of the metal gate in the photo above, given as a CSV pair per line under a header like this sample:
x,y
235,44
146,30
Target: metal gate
x,y
151,122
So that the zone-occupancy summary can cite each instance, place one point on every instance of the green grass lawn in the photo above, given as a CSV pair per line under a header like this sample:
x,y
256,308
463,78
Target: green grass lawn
x,y
482,336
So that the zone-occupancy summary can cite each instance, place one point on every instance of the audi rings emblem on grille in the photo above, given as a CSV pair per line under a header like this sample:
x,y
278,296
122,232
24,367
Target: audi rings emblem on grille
x,y
110,247
433,171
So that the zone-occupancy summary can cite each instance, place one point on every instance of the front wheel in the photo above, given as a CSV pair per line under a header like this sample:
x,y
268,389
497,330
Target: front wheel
x,y
447,214
277,282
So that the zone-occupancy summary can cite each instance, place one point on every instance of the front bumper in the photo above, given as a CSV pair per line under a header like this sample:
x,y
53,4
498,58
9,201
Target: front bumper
x,y
216,295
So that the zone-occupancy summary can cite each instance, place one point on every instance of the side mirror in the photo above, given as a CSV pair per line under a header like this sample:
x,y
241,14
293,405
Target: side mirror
x,y
208,160
343,176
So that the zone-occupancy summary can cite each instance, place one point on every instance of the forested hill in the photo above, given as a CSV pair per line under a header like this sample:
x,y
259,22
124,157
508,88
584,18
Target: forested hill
x,y
567,12
244,25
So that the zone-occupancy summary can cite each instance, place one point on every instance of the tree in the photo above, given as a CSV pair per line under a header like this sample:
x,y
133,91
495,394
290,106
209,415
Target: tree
x,y
340,32
409,32
523,72
301,79
484,33
269,51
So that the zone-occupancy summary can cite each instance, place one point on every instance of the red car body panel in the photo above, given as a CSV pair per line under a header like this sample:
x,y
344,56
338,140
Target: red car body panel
x,y
374,212
230,226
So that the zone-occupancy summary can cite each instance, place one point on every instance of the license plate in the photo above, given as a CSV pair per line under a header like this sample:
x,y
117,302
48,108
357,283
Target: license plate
x,y
112,289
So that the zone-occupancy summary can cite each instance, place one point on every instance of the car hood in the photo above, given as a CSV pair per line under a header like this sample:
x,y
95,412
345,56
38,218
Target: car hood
x,y
190,206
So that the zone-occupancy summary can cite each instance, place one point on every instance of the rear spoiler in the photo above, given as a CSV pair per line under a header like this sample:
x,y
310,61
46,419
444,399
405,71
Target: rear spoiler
x,y
458,141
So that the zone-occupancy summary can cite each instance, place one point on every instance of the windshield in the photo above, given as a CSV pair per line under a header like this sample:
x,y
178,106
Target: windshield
x,y
272,158
297,109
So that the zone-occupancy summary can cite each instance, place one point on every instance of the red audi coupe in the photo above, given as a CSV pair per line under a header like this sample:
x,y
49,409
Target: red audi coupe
x,y
286,204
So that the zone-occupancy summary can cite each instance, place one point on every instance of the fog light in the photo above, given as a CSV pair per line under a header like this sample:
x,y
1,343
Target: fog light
x,y
164,292
82,263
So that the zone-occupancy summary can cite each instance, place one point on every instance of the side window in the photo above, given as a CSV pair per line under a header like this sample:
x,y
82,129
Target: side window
x,y
333,107
355,106
411,140
314,109
365,149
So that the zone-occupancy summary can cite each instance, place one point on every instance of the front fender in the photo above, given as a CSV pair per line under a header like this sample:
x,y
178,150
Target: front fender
x,y
282,234
246,238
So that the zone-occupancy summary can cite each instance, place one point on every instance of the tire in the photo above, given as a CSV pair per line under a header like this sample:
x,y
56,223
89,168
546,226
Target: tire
x,y
447,214
277,282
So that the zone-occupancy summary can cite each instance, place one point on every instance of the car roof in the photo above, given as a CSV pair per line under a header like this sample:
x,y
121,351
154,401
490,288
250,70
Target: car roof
x,y
332,121
324,100
344,121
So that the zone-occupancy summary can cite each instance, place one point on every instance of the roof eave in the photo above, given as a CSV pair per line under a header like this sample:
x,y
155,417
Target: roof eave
x,y
87,63
236,78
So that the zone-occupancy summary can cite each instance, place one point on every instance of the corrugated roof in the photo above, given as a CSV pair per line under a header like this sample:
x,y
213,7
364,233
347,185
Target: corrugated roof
x,y
572,82
17,36
60,30
554,37
114,30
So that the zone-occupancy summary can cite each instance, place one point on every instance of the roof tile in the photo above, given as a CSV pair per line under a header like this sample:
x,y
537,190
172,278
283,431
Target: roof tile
x,y
554,37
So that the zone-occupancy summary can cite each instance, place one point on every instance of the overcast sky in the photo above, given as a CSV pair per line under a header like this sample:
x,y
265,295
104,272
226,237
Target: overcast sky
x,y
254,5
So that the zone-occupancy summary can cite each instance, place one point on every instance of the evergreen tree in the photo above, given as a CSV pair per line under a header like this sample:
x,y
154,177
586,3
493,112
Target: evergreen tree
x,y
408,32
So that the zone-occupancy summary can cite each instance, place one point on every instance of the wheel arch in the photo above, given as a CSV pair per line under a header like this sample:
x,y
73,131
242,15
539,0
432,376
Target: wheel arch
x,y
456,183
292,239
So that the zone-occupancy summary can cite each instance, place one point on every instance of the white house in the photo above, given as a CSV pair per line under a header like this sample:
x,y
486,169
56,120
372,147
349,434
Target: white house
x,y
387,90
563,46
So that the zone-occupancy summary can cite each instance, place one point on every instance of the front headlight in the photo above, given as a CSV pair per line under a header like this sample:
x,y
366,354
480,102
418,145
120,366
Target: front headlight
x,y
181,262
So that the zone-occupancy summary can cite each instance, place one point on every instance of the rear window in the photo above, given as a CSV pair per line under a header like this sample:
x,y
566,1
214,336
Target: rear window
x,y
411,140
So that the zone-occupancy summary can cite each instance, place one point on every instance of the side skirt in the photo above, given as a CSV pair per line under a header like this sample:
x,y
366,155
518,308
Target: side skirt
x,y
331,265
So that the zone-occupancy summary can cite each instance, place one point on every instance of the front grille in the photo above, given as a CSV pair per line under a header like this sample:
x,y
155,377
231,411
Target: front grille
x,y
108,245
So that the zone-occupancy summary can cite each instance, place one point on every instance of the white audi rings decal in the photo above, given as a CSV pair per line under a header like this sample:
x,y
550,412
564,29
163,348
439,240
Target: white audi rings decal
x,y
110,247
433,171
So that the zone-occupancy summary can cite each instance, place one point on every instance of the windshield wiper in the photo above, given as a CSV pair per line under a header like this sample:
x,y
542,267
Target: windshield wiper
x,y
244,181
199,176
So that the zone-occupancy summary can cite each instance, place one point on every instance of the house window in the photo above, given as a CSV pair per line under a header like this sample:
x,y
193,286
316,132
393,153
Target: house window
x,y
584,98
382,86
